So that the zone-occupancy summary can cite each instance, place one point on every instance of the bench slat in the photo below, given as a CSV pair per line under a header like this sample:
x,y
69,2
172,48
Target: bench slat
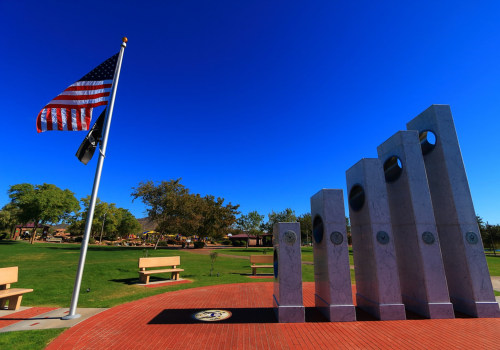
x,y
8,275
160,261
261,259
13,291
265,266
149,272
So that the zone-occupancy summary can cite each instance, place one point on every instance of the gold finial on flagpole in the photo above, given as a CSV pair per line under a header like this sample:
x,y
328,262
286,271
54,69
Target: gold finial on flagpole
x,y
124,39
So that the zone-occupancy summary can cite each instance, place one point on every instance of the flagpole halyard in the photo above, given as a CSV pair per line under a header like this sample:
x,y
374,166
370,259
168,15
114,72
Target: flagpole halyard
x,y
90,215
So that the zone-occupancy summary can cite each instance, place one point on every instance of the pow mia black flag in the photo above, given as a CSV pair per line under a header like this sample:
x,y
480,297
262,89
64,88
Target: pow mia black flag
x,y
89,144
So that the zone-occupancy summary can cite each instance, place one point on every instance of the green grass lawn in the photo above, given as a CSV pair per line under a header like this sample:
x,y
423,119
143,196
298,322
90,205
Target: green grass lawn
x,y
307,252
111,273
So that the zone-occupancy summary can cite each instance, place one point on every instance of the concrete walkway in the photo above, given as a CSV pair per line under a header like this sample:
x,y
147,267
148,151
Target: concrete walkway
x,y
28,318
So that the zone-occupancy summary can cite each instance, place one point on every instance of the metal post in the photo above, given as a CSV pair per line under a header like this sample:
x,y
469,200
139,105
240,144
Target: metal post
x,y
102,228
88,225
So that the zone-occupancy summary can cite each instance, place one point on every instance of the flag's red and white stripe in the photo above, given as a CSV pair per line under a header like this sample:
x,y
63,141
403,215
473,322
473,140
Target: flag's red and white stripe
x,y
72,109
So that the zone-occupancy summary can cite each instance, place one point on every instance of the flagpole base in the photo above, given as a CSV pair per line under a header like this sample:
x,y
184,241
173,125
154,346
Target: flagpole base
x,y
71,317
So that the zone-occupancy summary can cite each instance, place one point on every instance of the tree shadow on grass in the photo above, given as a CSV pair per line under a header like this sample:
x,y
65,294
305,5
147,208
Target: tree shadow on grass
x,y
7,242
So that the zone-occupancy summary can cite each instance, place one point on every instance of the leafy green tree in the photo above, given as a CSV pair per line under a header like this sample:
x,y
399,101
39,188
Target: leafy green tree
x,y
42,204
177,211
305,227
287,215
251,224
128,223
8,218
490,234
109,221
217,218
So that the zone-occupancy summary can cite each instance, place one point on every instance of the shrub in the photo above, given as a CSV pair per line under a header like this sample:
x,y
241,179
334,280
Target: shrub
x,y
199,244
238,243
91,240
163,244
226,242
3,235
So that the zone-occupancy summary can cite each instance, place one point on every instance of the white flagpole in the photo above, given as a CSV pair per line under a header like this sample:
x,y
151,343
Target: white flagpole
x,y
90,215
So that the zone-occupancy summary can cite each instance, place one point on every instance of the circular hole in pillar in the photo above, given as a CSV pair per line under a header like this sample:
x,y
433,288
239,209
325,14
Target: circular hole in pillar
x,y
318,229
356,197
427,141
393,167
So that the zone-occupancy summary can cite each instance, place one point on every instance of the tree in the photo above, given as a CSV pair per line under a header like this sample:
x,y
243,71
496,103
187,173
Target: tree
x,y
251,224
217,218
8,218
287,215
108,220
489,233
305,227
177,211
42,204
128,223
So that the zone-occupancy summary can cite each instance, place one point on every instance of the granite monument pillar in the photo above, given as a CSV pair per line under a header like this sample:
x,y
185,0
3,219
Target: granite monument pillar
x,y
469,283
333,290
287,298
421,271
377,280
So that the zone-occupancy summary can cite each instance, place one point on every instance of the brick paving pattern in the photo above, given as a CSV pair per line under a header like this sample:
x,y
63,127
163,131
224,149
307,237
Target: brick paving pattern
x,y
165,322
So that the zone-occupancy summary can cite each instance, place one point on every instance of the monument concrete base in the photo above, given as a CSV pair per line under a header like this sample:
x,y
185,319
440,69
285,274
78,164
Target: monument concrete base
x,y
484,309
289,313
335,313
441,310
438,310
384,312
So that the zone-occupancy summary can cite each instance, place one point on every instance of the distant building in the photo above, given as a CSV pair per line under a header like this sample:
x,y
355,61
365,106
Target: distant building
x,y
22,231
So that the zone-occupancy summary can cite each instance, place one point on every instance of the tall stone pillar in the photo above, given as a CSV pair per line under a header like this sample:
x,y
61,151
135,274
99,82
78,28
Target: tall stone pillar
x,y
421,271
287,298
377,281
469,283
333,296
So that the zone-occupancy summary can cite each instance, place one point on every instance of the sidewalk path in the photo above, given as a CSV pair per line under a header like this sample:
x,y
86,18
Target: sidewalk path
x,y
166,321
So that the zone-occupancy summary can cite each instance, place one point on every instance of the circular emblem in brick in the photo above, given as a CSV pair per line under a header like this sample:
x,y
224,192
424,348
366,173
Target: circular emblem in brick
x,y
382,237
290,237
471,238
428,237
336,238
212,315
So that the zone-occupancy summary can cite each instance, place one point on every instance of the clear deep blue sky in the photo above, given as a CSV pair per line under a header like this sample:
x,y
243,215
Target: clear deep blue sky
x,y
262,103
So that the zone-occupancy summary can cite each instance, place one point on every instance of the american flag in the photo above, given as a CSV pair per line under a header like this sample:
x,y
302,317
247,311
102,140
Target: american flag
x,y
72,109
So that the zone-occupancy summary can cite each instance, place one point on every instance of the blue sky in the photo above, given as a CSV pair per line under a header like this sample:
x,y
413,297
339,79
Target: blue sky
x,y
262,103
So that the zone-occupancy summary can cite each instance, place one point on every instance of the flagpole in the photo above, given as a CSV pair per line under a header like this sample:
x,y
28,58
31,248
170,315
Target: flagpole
x,y
90,215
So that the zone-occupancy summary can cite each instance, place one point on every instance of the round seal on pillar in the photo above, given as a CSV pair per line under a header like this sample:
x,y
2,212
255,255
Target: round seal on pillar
x,y
290,237
428,237
382,237
471,238
336,238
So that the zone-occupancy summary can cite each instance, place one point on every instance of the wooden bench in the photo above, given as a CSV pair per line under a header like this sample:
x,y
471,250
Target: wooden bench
x,y
54,239
168,261
13,296
261,259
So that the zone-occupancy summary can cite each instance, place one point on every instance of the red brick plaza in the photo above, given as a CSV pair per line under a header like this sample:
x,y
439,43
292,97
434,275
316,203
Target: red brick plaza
x,y
166,322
